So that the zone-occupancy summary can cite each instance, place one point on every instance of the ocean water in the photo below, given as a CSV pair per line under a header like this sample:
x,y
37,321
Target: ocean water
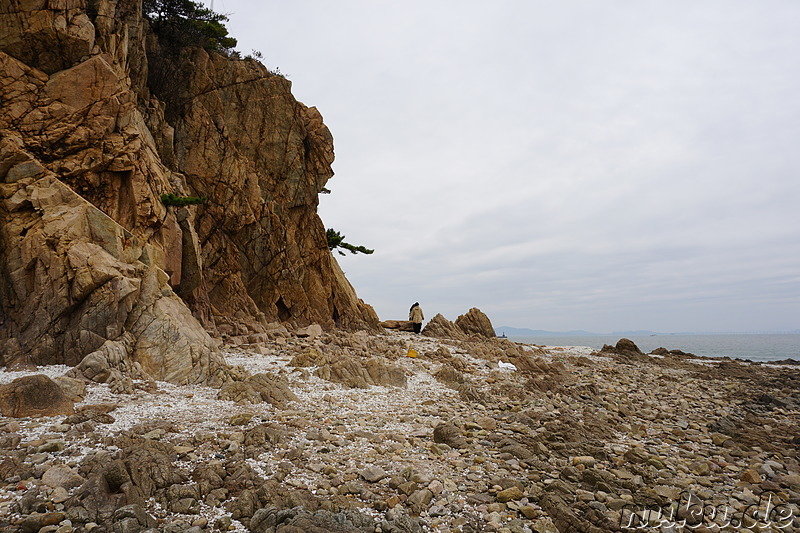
x,y
755,347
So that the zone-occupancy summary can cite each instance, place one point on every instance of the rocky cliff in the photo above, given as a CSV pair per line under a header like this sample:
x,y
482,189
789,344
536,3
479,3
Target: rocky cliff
x,y
98,120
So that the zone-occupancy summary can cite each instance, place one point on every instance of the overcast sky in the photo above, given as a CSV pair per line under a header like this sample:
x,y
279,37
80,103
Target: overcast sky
x,y
566,165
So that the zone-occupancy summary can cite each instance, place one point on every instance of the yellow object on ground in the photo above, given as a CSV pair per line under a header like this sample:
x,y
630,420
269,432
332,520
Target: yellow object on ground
x,y
412,353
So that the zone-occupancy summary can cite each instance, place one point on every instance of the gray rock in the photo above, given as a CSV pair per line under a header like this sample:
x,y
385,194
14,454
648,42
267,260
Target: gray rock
x,y
373,474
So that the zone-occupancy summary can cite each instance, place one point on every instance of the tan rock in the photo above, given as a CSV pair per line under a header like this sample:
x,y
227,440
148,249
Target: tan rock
x,y
33,396
356,373
74,389
399,325
474,322
751,476
450,434
273,389
584,460
510,494
50,39
62,476
313,331
442,328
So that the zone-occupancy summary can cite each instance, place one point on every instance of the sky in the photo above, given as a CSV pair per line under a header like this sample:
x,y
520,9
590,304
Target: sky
x,y
604,166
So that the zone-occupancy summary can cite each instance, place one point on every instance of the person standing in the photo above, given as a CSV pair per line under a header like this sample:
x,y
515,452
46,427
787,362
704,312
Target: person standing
x,y
416,317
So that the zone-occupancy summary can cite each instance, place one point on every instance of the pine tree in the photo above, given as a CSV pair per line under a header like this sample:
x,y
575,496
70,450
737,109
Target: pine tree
x,y
336,240
180,23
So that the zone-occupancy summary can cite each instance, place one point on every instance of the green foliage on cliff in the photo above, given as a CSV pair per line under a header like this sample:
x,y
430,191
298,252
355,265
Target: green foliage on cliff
x,y
180,201
180,23
336,240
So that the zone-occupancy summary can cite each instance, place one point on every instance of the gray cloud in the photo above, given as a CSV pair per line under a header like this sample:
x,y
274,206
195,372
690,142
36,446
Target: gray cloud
x,y
568,165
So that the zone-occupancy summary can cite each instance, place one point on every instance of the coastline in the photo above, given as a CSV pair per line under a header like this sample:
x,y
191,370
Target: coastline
x,y
569,441
745,346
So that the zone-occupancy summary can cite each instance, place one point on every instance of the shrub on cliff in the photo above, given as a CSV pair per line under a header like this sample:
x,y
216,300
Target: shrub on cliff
x,y
180,201
336,240
180,23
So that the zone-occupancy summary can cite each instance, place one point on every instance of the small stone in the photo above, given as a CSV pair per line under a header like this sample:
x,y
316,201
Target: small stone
x,y
59,495
240,419
544,525
751,476
392,501
486,422
420,498
584,460
509,494
437,510
373,474
436,486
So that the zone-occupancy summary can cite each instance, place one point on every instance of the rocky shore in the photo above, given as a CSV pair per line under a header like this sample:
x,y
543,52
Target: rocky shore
x,y
346,432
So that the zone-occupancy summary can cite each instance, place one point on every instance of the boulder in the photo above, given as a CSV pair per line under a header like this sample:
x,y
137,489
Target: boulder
x,y
309,358
624,347
34,396
313,331
259,388
450,434
355,373
399,325
62,476
474,322
442,328
74,389
273,389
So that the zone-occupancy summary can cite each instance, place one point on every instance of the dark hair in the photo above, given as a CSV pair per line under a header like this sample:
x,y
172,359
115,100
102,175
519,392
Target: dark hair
x,y
416,304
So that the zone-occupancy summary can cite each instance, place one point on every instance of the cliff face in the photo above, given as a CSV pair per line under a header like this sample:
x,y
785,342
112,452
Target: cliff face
x,y
96,123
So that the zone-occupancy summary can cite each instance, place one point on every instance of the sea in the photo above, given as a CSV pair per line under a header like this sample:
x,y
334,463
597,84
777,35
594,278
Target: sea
x,y
750,346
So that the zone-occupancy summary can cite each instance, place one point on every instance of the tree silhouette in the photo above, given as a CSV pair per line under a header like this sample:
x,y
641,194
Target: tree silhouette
x,y
336,240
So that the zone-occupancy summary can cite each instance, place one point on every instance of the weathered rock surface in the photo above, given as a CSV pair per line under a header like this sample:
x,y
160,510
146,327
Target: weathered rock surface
x,y
623,347
399,325
35,395
475,322
259,388
356,373
97,123
442,328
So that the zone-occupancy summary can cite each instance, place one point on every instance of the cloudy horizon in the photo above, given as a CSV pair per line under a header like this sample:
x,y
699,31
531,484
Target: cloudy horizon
x,y
561,166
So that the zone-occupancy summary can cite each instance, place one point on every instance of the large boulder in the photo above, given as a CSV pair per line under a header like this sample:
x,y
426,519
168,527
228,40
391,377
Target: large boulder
x,y
624,347
262,387
399,325
34,396
442,328
474,322
357,373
